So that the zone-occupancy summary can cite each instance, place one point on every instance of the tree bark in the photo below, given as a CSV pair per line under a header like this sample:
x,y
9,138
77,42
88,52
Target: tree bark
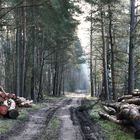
x,y
131,49
40,94
105,71
112,53
91,55
33,58
18,58
24,51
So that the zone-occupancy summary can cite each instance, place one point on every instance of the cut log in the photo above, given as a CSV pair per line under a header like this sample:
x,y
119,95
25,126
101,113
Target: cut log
x,y
23,102
3,110
13,114
10,96
2,94
136,92
10,103
124,97
135,101
109,110
115,105
2,90
110,117
128,112
134,123
1,100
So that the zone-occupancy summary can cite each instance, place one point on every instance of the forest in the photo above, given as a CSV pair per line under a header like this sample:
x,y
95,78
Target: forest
x,y
45,68
39,46
114,48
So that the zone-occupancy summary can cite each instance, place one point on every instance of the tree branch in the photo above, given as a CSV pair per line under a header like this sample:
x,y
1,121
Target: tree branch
x,y
12,8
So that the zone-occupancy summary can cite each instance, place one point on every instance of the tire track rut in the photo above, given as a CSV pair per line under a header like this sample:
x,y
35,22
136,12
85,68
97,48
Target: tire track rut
x,y
38,121
90,130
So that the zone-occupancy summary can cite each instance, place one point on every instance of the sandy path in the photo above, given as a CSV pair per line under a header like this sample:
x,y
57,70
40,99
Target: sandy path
x,y
68,130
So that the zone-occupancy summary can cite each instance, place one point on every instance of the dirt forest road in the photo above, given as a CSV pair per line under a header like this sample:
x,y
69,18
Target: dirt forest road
x,y
74,125
69,131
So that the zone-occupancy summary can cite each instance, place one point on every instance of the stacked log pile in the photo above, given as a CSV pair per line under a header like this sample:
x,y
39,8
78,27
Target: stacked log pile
x,y
125,111
9,104
23,102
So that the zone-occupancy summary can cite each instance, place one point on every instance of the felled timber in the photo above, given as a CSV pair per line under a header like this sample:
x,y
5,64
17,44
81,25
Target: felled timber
x,y
123,110
13,114
124,97
115,105
127,111
9,104
2,90
3,110
136,92
23,102
135,101
110,117
109,110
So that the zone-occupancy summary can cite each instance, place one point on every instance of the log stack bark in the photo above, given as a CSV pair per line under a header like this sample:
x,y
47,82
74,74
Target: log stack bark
x,y
125,111
23,102
9,104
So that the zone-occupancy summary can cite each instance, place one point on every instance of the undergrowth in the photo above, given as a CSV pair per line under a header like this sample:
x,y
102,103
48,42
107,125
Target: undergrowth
x,y
52,130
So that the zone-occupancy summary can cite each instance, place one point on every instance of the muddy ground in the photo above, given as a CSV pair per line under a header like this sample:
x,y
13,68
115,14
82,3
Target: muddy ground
x,y
71,124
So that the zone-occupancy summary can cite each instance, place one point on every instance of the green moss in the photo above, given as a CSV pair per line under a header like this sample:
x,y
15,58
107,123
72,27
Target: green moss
x,y
6,124
112,130
23,115
55,123
52,130
115,131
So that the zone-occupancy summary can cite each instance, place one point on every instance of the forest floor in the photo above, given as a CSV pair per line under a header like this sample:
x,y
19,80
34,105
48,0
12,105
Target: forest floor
x,y
57,120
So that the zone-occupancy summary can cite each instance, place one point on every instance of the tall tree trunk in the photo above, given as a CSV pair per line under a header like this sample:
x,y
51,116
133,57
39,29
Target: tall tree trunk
x,y
105,71
61,80
24,50
63,84
112,53
18,58
55,80
131,67
33,58
91,54
95,77
33,65
40,94
7,63
49,80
